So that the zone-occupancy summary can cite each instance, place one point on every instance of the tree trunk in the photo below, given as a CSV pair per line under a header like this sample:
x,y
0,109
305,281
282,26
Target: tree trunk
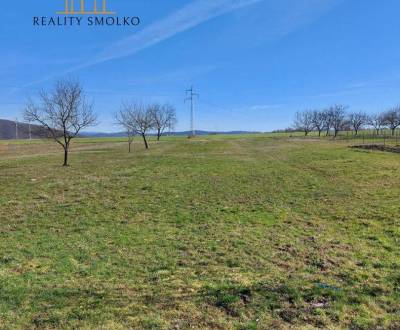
x,y
65,156
356,131
145,141
393,129
319,133
158,134
130,143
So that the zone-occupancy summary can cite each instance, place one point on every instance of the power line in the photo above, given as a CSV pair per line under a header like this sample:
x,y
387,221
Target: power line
x,y
190,98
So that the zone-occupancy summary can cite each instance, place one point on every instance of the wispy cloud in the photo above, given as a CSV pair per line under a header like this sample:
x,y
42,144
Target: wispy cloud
x,y
188,17
263,107
179,75
244,109
362,87
301,13
185,18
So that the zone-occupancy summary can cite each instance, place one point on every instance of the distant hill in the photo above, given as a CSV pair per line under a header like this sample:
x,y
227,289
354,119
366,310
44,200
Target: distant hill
x,y
8,130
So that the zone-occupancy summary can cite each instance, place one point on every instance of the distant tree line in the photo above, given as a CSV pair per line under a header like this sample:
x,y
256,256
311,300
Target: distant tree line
x,y
336,118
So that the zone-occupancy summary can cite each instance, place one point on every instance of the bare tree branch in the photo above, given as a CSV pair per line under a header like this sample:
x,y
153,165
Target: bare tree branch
x,y
357,120
318,120
337,118
164,116
377,121
304,121
63,112
392,118
136,119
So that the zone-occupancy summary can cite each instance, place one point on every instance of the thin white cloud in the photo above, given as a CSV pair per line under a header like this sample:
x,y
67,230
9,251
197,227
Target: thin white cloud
x,y
243,109
362,87
188,17
178,75
192,15
263,107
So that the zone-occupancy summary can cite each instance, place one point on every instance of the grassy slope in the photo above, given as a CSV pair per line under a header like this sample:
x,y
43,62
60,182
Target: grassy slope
x,y
221,232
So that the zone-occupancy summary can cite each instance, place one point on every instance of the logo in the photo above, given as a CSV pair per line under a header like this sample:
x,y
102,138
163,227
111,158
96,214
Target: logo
x,y
95,9
85,12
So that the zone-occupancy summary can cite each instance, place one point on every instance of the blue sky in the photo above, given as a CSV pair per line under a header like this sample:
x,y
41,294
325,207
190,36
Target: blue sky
x,y
254,62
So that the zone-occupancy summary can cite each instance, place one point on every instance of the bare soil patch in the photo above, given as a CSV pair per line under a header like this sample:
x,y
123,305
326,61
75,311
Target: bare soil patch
x,y
395,149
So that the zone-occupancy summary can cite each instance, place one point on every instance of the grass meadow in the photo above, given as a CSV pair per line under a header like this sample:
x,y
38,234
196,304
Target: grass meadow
x,y
238,232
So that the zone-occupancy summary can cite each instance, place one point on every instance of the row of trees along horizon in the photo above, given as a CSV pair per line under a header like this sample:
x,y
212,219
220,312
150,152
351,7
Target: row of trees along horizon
x,y
336,119
64,112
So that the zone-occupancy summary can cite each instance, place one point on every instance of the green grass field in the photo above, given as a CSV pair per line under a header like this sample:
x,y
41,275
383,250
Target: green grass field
x,y
242,232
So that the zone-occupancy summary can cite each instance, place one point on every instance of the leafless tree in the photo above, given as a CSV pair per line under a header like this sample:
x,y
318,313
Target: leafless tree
x,y
304,121
144,122
125,120
357,120
337,115
318,121
139,118
327,117
377,121
164,116
63,112
392,118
